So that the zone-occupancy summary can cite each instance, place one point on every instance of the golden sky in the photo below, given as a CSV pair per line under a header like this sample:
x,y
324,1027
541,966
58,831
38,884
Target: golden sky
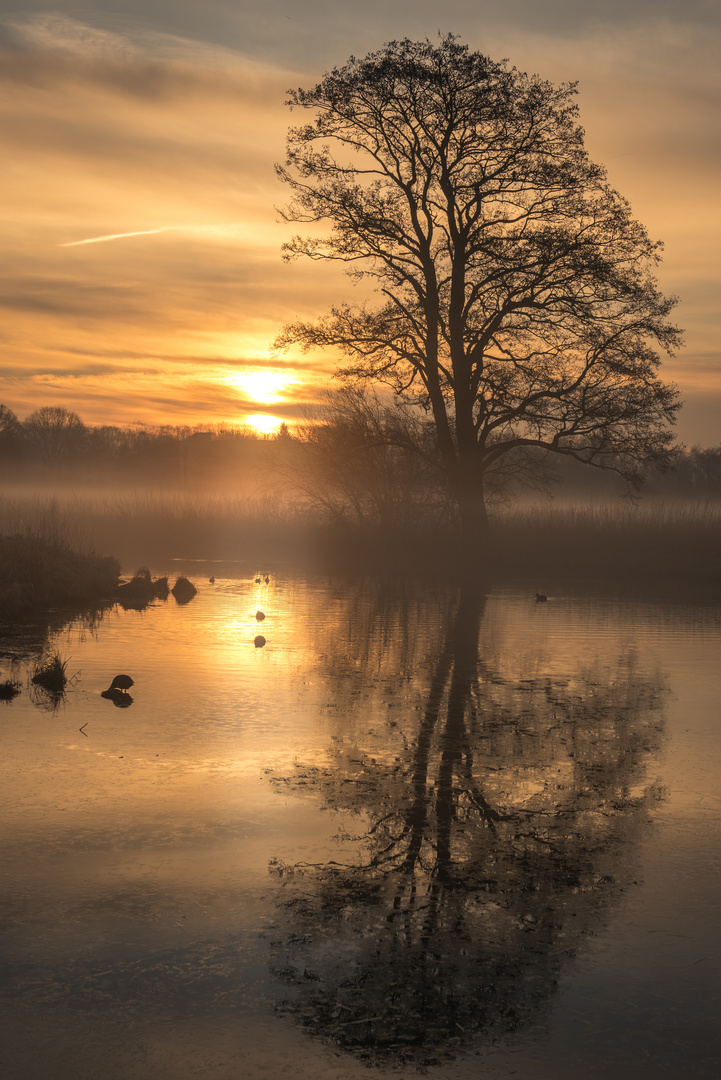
x,y
142,278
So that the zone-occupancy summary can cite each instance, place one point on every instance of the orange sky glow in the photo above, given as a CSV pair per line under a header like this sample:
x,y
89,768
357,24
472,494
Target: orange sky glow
x,y
143,278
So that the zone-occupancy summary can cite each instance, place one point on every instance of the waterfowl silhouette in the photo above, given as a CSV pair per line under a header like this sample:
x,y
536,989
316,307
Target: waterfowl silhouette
x,y
211,580
260,615
267,580
540,597
259,641
257,581
121,682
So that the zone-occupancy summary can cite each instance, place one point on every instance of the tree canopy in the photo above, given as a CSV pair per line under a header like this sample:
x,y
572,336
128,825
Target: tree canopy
x,y
56,432
516,294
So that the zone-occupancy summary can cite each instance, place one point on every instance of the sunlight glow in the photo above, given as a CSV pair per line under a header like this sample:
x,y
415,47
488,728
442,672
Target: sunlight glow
x,y
263,423
262,385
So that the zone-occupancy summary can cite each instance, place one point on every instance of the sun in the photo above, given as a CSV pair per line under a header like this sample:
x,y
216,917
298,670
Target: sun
x,y
262,385
263,423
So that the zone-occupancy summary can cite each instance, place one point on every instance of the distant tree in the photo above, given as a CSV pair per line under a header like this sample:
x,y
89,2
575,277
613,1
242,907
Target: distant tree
x,y
283,434
10,429
518,304
705,468
56,433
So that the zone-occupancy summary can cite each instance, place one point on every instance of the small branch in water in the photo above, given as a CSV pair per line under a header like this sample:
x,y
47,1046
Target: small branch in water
x,y
365,1020
84,726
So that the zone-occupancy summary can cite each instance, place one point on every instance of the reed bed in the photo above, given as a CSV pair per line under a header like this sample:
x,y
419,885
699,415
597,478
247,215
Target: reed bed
x,y
49,672
37,576
142,527
646,539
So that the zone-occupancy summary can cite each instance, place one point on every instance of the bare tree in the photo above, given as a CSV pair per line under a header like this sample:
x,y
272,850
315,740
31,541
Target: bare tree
x,y
9,426
55,432
358,461
517,297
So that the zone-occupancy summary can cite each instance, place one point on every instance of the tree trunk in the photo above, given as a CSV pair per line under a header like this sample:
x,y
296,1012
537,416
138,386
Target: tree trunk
x,y
473,517
474,532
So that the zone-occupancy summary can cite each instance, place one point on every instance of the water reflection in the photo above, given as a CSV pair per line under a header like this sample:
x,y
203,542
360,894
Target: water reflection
x,y
498,816
50,701
459,803
120,698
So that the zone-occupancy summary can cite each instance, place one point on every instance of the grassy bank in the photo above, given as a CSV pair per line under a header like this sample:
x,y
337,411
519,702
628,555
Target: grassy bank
x,y
39,574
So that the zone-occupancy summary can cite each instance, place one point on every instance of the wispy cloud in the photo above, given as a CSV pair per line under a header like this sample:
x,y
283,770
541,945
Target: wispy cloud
x,y
120,126
207,230
121,236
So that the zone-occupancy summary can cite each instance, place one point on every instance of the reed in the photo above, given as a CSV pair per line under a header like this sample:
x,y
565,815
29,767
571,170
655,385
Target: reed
x,y
646,539
141,527
40,573
9,689
49,672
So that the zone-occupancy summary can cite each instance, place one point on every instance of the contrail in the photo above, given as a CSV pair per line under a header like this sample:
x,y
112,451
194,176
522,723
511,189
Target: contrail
x,y
120,236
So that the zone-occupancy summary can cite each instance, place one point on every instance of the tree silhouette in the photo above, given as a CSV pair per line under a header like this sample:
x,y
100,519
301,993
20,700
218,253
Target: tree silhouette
x,y
517,299
494,841
9,423
55,432
10,432
355,462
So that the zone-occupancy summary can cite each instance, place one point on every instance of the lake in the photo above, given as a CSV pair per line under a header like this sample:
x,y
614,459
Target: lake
x,y
419,828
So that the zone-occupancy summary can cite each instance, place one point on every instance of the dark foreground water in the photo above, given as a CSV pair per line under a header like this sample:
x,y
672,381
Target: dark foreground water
x,y
418,829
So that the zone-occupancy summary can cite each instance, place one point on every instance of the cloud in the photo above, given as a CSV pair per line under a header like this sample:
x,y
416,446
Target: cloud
x,y
137,192
121,236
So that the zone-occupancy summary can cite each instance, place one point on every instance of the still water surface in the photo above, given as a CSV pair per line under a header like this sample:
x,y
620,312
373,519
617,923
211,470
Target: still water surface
x,y
420,828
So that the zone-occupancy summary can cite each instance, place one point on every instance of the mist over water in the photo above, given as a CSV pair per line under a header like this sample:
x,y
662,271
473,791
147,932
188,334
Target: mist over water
x,y
420,827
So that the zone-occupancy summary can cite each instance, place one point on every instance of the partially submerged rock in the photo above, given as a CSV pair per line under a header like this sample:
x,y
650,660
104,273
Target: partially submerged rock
x,y
142,588
183,590
161,588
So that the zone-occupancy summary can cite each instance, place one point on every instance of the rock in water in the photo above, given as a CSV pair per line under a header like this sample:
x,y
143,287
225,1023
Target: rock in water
x,y
183,590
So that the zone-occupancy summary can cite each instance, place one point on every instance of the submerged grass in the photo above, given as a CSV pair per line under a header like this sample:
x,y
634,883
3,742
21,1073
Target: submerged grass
x,y
49,672
9,689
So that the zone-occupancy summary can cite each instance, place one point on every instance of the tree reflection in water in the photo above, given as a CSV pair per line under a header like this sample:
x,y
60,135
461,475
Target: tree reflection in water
x,y
497,834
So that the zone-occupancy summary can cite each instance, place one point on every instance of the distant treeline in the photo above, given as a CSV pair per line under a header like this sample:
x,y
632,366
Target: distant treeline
x,y
54,444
